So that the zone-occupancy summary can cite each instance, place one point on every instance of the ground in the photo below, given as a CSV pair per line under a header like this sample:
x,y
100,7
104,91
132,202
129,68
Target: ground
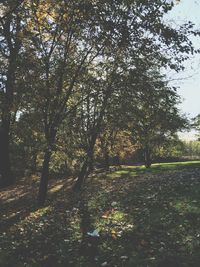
x,y
126,217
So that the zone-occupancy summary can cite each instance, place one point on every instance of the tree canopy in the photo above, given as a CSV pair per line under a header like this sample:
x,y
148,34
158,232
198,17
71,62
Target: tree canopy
x,y
77,75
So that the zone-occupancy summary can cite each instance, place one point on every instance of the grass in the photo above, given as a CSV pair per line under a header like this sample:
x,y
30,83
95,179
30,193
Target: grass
x,y
143,217
157,167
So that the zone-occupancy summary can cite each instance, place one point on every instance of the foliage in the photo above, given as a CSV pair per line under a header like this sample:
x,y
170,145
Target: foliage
x,y
70,69
158,118
82,86
196,124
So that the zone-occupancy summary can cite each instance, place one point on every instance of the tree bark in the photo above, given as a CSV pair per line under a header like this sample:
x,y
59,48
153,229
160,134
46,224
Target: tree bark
x,y
44,178
14,47
106,160
5,168
34,162
87,166
91,160
147,157
81,177
7,177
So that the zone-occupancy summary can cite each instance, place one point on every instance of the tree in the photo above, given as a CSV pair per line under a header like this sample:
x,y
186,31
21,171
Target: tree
x,y
92,112
68,37
10,32
196,125
158,117
70,46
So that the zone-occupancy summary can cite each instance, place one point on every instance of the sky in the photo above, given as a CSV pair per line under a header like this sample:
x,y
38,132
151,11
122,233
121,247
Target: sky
x,y
189,80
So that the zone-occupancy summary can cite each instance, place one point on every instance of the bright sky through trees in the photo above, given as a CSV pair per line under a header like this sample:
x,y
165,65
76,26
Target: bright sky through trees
x,y
189,81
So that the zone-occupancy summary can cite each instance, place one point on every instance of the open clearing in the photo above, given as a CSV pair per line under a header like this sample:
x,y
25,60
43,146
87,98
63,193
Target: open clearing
x,y
141,217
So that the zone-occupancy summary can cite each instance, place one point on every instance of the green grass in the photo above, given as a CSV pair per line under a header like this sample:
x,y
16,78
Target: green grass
x,y
145,217
157,167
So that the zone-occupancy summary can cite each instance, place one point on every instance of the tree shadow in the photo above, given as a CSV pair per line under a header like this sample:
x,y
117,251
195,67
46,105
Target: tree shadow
x,y
148,221
19,201
90,239
164,211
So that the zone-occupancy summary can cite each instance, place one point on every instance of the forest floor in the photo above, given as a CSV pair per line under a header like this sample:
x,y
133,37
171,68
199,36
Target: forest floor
x,y
130,217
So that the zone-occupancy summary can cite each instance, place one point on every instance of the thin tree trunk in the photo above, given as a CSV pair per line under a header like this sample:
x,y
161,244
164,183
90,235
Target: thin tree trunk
x,y
91,160
34,162
88,164
106,160
86,167
44,178
147,157
117,160
81,177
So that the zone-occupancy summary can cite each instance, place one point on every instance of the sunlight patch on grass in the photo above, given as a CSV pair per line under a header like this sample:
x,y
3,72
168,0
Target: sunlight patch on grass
x,y
56,188
122,173
114,215
186,205
114,175
132,171
114,223
9,200
39,213
176,164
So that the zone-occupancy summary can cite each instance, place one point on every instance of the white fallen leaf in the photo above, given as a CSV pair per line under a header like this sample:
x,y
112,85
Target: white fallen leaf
x,y
104,263
124,257
95,233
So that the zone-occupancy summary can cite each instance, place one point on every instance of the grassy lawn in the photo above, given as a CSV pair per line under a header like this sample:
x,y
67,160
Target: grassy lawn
x,y
141,217
157,167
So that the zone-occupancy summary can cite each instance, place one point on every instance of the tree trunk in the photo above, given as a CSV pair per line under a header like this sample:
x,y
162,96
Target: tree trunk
x,y
7,178
44,178
8,98
81,177
90,160
147,157
87,167
117,157
5,168
34,162
106,160
88,164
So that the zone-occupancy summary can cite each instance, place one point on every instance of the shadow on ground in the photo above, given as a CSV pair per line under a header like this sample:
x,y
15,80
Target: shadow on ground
x,y
143,219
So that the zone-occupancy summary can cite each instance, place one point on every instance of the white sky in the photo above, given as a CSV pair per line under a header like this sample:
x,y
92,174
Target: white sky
x,y
189,85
